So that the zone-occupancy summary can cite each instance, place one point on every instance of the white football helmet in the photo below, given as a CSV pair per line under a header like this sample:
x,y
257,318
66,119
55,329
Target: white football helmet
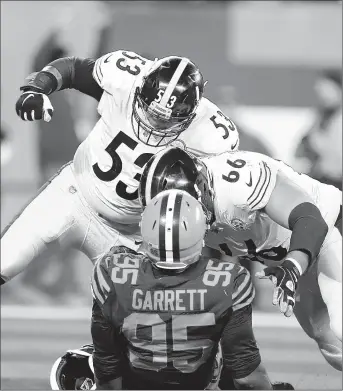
x,y
173,228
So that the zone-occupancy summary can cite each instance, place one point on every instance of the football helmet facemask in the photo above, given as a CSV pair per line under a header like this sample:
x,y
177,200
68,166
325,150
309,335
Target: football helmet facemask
x,y
165,104
174,168
173,228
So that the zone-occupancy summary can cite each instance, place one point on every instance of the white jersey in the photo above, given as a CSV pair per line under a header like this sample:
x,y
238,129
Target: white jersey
x,y
243,183
109,163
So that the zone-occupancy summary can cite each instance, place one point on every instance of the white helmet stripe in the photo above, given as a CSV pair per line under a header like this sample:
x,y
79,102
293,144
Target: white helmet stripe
x,y
169,226
171,86
150,177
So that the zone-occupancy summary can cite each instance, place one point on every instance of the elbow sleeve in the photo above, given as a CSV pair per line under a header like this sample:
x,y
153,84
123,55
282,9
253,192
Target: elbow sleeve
x,y
309,229
63,73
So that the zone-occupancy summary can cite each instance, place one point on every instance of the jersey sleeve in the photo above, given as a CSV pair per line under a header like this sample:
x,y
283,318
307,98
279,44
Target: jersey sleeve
x,y
223,126
108,355
101,282
118,70
243,289
212,132
251,185
241,355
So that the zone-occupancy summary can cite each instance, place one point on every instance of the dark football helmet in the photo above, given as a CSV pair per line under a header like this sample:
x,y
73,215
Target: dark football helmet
x,y
165,104
174,168
74,370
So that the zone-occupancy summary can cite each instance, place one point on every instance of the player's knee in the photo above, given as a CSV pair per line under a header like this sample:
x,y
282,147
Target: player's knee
x,y
330,257
335,313
332,354
329,345
336,325
332,295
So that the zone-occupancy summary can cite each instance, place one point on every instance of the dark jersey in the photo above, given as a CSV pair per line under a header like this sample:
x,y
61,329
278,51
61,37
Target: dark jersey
x,y
171,324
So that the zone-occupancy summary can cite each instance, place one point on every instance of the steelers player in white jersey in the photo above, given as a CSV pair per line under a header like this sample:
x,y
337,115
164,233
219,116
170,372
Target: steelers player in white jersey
x,y
92,202
262,209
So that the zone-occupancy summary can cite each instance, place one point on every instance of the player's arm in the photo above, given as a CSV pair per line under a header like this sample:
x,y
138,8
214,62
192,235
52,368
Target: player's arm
x,y
273,192
67,72
291,207
108,350
241,356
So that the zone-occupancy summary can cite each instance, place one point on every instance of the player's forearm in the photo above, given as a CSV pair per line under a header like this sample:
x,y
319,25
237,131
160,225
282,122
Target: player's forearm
x,y
300,259
67,72
257,380
292,208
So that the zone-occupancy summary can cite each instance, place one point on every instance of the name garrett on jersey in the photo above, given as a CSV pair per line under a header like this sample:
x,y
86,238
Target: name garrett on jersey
x,y
169,300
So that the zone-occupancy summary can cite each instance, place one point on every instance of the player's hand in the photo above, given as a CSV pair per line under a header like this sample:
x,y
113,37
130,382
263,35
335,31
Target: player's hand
x,y
33,105
285,279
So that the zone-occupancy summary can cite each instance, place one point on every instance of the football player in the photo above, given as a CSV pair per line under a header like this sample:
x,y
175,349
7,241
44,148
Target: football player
x,y
159,315
262,209
92,202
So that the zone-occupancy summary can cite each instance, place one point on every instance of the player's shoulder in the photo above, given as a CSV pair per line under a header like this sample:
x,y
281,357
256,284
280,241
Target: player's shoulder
x,y
119,70
247,178
103,279
211,131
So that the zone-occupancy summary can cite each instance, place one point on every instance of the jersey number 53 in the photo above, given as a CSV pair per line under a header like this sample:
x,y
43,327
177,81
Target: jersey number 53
x,y
117,165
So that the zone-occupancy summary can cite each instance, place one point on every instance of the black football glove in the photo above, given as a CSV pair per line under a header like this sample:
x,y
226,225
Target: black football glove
x,y
33,105
285,279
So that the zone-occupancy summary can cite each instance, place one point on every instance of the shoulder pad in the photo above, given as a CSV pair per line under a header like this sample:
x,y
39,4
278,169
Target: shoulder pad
x,y
223,125
102,283
211,132
244,179
119,69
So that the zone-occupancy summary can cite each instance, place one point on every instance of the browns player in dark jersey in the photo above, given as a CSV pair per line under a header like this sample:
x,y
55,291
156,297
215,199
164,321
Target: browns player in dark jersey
x,y
160,316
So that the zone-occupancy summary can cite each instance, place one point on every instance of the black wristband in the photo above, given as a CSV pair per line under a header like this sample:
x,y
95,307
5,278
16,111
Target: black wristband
x,y
43,82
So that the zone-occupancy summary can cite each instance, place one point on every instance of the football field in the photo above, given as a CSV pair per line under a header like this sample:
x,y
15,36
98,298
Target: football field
x,y
32,340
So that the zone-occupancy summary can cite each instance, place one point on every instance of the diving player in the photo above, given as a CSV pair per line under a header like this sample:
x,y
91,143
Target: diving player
x,y
262,209
92,202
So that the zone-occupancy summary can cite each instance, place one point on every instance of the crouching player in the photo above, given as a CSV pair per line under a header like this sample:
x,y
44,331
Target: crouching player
x,y
160,316
166,318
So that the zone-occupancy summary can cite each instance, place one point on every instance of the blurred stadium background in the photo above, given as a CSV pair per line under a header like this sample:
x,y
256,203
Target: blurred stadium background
x,y
273,66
